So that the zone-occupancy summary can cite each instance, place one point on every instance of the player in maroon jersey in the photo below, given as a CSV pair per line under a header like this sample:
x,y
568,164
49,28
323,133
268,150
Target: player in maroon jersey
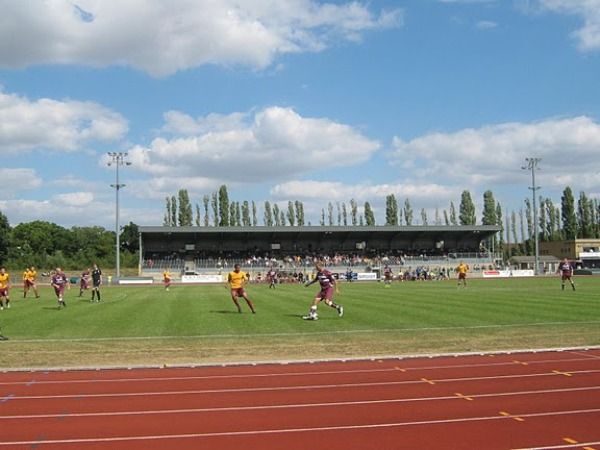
x,y
328,283
565,268
84,282
388,276
272,277
59,281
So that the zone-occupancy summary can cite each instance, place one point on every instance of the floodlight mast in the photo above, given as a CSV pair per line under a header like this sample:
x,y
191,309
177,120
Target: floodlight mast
x,y
117,160
532,165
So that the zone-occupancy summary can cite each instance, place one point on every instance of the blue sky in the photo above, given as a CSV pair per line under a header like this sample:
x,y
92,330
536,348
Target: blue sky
x,y
316,101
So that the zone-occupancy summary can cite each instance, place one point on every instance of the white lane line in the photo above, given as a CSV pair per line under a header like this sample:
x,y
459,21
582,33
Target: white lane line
x,y
299,405
67,380
292,387
290,430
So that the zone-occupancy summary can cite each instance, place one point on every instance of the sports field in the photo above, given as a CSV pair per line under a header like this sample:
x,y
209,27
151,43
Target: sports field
x,y
199,324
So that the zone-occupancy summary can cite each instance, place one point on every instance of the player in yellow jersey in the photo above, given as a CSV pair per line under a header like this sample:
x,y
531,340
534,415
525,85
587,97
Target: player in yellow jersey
x,y
30,275
25,282
4,286
462,270
236,280
167,278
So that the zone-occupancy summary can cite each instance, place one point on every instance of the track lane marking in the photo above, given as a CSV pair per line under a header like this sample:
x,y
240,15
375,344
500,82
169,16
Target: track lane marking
x,y
291,405
295,430
276,374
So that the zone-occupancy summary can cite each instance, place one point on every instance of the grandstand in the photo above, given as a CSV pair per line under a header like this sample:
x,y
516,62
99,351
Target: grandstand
x,y
216,249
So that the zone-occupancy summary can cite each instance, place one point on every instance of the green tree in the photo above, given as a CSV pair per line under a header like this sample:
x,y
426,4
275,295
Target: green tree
x,y
214,202
453,220
185,216
37,241
223,207
246,221
276,216
329,214
205,204
529,247
489,216
424,216
129,238
4,238
584,217
467,209
408,212
168,214
268,214
489,209
291,214
173,211
369,215
299,213
500,222
344,214
569,219
353,212
391,210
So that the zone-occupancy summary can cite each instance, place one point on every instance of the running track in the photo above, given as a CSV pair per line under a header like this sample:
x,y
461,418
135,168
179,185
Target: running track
x,y
548,400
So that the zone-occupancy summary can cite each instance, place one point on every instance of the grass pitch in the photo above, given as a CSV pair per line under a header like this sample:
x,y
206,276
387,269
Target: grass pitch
x,y
199,324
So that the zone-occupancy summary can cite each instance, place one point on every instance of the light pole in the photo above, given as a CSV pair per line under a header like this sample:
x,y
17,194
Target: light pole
x,y
532,165
117,160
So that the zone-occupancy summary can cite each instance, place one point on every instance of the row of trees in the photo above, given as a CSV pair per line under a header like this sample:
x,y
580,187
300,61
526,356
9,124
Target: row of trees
x,y
572,219
48,245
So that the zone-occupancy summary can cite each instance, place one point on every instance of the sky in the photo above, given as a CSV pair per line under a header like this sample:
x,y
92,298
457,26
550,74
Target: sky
x,y
297,100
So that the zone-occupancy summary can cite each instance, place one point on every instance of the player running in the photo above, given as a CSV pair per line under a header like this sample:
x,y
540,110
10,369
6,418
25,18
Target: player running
x,y
328,283
59,281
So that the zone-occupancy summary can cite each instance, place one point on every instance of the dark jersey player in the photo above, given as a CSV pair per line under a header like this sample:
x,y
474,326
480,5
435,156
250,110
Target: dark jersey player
x,y
96,282
328,283
565,268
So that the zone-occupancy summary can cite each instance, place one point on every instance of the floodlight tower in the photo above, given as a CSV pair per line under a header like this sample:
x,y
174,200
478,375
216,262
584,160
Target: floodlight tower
x,y
532,165
117,160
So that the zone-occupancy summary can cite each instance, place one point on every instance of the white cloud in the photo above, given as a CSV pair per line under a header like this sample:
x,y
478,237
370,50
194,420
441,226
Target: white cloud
x,y
59,125
78,199
18,180
486,155
588,36
270,144
165,37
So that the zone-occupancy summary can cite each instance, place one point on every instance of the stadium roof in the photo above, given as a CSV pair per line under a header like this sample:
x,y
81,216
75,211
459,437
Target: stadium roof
x,y
313,238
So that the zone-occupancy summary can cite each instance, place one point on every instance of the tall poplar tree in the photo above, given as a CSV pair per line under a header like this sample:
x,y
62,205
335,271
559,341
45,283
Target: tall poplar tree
x,y
206,203
291,214
299,213
369,215
354,212
391,210
408,212
185,215
569,219
268,214
466,209
223,206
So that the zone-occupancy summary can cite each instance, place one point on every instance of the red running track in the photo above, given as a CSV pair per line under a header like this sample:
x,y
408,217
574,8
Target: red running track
x,y
548,400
